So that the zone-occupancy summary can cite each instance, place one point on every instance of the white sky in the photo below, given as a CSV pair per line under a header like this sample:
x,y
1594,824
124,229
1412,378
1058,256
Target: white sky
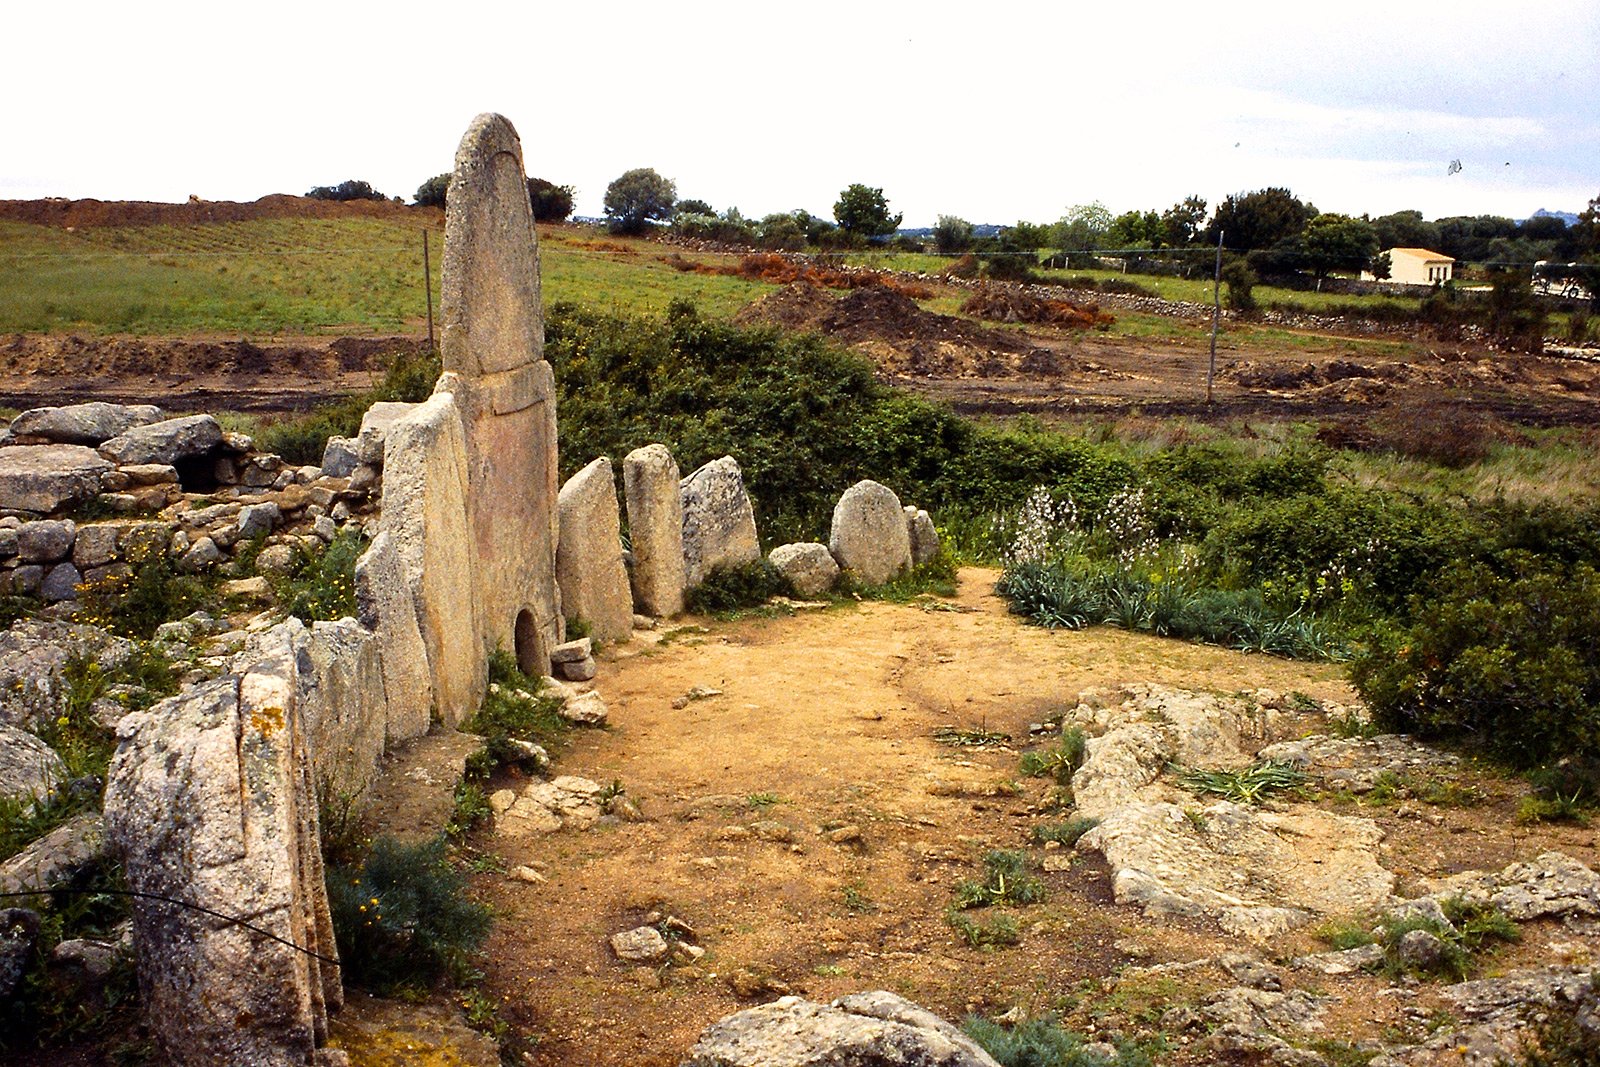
x,y
992,110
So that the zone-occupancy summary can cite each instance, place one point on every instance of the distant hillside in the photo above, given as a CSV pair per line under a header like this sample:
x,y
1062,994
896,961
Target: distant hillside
x,y
97,213
1568,217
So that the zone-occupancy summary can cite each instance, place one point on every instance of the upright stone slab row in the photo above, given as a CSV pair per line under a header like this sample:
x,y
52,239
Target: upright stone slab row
x,y
655,527
719,525
493,351
210,800
589,567
870,538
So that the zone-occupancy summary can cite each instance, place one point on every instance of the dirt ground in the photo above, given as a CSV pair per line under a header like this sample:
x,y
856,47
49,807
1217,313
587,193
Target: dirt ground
x,y
824,723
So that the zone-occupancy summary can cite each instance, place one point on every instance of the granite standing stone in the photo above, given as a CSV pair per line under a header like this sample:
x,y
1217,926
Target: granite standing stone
x,y
589,567
869,537
655,527
493,353
719,525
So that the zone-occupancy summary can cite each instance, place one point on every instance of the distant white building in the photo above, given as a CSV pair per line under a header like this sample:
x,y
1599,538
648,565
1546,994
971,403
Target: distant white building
x,y
1417,266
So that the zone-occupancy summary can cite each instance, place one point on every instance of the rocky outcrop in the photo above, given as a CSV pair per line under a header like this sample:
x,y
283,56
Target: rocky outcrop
x,y
589,566
57,858
232,756
655,528
876,1029
808,566
1257,873
869,537
719,525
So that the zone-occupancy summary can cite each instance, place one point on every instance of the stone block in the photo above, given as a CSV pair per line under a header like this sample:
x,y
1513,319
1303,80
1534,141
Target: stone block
x,y
95,545
83,424
719,525
808,566
41,479
869,538
46,541
655,526
589,567
170,442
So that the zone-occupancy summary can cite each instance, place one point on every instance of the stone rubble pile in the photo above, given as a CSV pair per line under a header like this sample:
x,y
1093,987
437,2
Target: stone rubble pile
x,y
179,486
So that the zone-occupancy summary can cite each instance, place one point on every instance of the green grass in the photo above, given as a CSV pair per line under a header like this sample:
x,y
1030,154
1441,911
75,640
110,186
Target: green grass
x,y
271,276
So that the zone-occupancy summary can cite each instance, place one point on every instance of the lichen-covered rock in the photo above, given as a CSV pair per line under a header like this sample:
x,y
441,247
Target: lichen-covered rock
x,y
1552,885
40,479
231,756
45,541
868,537
924,537
56,858
877,1029
28,766
643,944
809,567
172,441
655,528
589,566
719,525
82,424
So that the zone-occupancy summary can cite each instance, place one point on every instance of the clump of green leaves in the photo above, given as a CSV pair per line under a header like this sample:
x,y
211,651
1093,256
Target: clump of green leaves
x,y
1058,762
1250,785
402,918
998,931
1044,1042
469,808
150,592
1065,833
513,711
1470,928
322,584
1006,880
729,589
1504,655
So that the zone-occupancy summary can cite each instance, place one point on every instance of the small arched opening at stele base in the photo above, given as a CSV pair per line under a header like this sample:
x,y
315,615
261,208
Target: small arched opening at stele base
x,y
531,655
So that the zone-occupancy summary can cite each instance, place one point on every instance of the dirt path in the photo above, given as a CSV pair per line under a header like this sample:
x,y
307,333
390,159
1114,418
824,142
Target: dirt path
x,y
823,723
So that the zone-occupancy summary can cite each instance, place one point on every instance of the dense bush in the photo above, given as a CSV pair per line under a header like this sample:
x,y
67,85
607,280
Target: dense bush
x,y
733,588
1504,657
432,192
409,379
550,202
350,190
402,919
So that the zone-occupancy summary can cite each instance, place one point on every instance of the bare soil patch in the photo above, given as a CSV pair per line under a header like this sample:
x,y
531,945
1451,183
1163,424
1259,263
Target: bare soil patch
x,y
824,723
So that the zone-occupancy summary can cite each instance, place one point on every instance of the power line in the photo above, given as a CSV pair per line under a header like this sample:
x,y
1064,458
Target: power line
x,y
231,920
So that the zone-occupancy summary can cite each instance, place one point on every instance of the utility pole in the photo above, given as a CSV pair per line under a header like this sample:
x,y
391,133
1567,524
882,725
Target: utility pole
x,y
427,286
1216,317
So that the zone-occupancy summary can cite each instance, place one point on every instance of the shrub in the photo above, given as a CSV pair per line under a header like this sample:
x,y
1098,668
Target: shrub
x,y
1006,881
513,711
150,593
1064,833
747,585
550,202
322,584
1505,658
350,190
996,932
1241,282
1058,762
410,379
432,192
1043,1042
402,919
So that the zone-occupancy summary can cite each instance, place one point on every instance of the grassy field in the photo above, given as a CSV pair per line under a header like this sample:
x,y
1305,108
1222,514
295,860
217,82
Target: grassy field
x,y
298,276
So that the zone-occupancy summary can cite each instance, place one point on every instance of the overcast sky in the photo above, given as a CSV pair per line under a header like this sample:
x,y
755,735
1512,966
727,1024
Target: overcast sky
x,y
991,110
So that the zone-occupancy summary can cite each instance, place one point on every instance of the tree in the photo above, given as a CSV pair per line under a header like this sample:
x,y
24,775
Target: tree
x,y
550,202
1338,242
1136,229
694,207
637,198
1083,227
350,190
1259,219
1182,222
952,234
782,232
862,210
1406,229
431,193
